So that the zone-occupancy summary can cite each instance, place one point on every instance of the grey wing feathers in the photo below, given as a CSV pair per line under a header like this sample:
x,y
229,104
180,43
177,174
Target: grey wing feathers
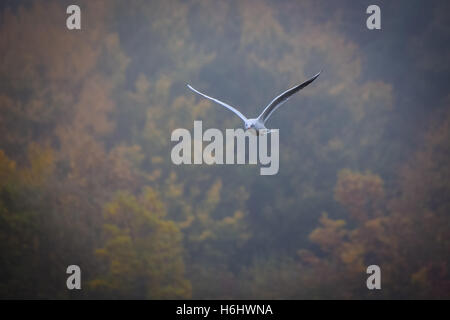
x,y
240,115
282,98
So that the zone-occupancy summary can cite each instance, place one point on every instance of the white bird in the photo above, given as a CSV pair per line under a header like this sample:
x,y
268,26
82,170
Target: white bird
x,y
258,124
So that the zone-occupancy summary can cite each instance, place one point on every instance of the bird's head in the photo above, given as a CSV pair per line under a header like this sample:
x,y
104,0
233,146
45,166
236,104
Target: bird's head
x,y
248,125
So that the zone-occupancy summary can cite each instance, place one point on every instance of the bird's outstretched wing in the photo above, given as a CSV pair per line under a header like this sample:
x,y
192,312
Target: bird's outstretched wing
x,y
240,115
282,98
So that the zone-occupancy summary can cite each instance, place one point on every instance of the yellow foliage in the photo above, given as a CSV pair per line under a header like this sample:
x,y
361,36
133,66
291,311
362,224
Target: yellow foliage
x,y
7,169
361,194
420,277
41,161
330,235
141,249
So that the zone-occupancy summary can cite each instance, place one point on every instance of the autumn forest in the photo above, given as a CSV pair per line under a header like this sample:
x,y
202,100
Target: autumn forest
x,y
86,177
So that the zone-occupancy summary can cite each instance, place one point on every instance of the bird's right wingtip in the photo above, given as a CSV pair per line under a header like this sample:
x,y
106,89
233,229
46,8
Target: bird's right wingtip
x,y
317,74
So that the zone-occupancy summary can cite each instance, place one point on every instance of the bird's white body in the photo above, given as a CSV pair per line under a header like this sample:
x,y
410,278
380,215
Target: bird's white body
x,y
257,125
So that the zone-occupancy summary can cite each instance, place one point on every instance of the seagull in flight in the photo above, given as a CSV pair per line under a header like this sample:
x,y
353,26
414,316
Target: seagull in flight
x,y
257,125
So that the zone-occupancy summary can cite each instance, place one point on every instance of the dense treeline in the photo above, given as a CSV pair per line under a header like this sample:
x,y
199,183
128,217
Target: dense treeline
x,y
86,176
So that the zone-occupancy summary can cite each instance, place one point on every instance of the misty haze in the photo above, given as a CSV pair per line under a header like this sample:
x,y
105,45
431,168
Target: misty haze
x,y
86,176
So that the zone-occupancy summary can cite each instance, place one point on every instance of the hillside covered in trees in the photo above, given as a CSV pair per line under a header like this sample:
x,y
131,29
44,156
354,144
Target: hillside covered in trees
x,y
86,177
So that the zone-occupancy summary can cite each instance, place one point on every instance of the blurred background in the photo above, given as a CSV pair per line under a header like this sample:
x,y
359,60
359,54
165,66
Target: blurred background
x,y
86,176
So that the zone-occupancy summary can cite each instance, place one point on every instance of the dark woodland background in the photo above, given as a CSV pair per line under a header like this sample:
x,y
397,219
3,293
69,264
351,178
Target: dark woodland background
x,y
86,176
